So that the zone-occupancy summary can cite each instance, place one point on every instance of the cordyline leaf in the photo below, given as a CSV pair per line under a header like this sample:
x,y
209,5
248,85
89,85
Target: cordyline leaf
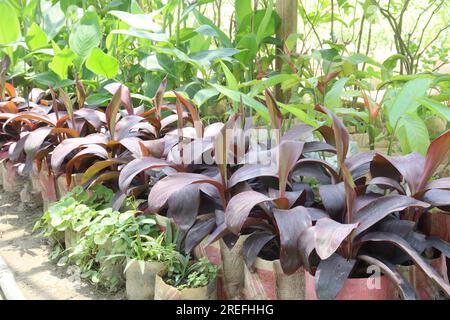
x,y
291,223
381,207
437,197
131,122
175,182
300,131
410,167
437,152
440,245
239,208
222,147
387,182
92,150
67,104
192,111
69,145
333,199
183,206
331,275
316,146
197,233
276,117
38,136
99,166
416,258
94,117
135,146
251,171
316,163
112,110
306,245
442,183
329,236
28,115
359,164
81,92
340,133
125,95
407,292
288,154
135,167
253,245
159,97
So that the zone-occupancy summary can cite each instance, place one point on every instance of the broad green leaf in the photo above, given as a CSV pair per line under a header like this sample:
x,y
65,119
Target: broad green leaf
x,y
242,9
437,108
221,35
53,19
352,113
138,21
231,80
158,37
406,100
262,29
204,95
61,61
86,35
236,96
205,57
412,134
299,113
9,25
259,85
332,98
36,37
248,45
102,64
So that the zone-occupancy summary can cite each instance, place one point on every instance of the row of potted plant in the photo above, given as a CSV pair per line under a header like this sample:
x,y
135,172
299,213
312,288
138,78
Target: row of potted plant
x,y
116,247
310,223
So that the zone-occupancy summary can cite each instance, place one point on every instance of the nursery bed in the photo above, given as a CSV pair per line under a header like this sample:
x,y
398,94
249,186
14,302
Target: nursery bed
x,y
27,256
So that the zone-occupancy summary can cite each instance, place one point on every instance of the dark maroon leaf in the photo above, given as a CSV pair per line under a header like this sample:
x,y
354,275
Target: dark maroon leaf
x,y
135,167
175,182
331,275
125,95
416,258
183,206
437,152
306,245
329,236
197,233
251,171
239,208
389,270
443,183
291,223
340,133
316,146
299,132
333,199
437,197
253,245
288,154
385,182
380,208
410,167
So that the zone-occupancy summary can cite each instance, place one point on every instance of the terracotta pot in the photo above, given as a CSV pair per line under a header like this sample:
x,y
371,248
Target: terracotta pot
x,y
62,188
424,286
163,291
12,181
437,223
357,289
48,189
266,281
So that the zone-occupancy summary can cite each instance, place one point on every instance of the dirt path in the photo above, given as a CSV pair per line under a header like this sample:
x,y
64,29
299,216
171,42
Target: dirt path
x,y
27,256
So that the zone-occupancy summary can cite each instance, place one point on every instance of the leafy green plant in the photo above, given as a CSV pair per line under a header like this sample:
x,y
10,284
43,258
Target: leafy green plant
x,y
183,273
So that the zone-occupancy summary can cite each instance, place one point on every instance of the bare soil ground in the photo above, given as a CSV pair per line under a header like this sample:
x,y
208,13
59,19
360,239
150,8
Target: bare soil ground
x,y
27,256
